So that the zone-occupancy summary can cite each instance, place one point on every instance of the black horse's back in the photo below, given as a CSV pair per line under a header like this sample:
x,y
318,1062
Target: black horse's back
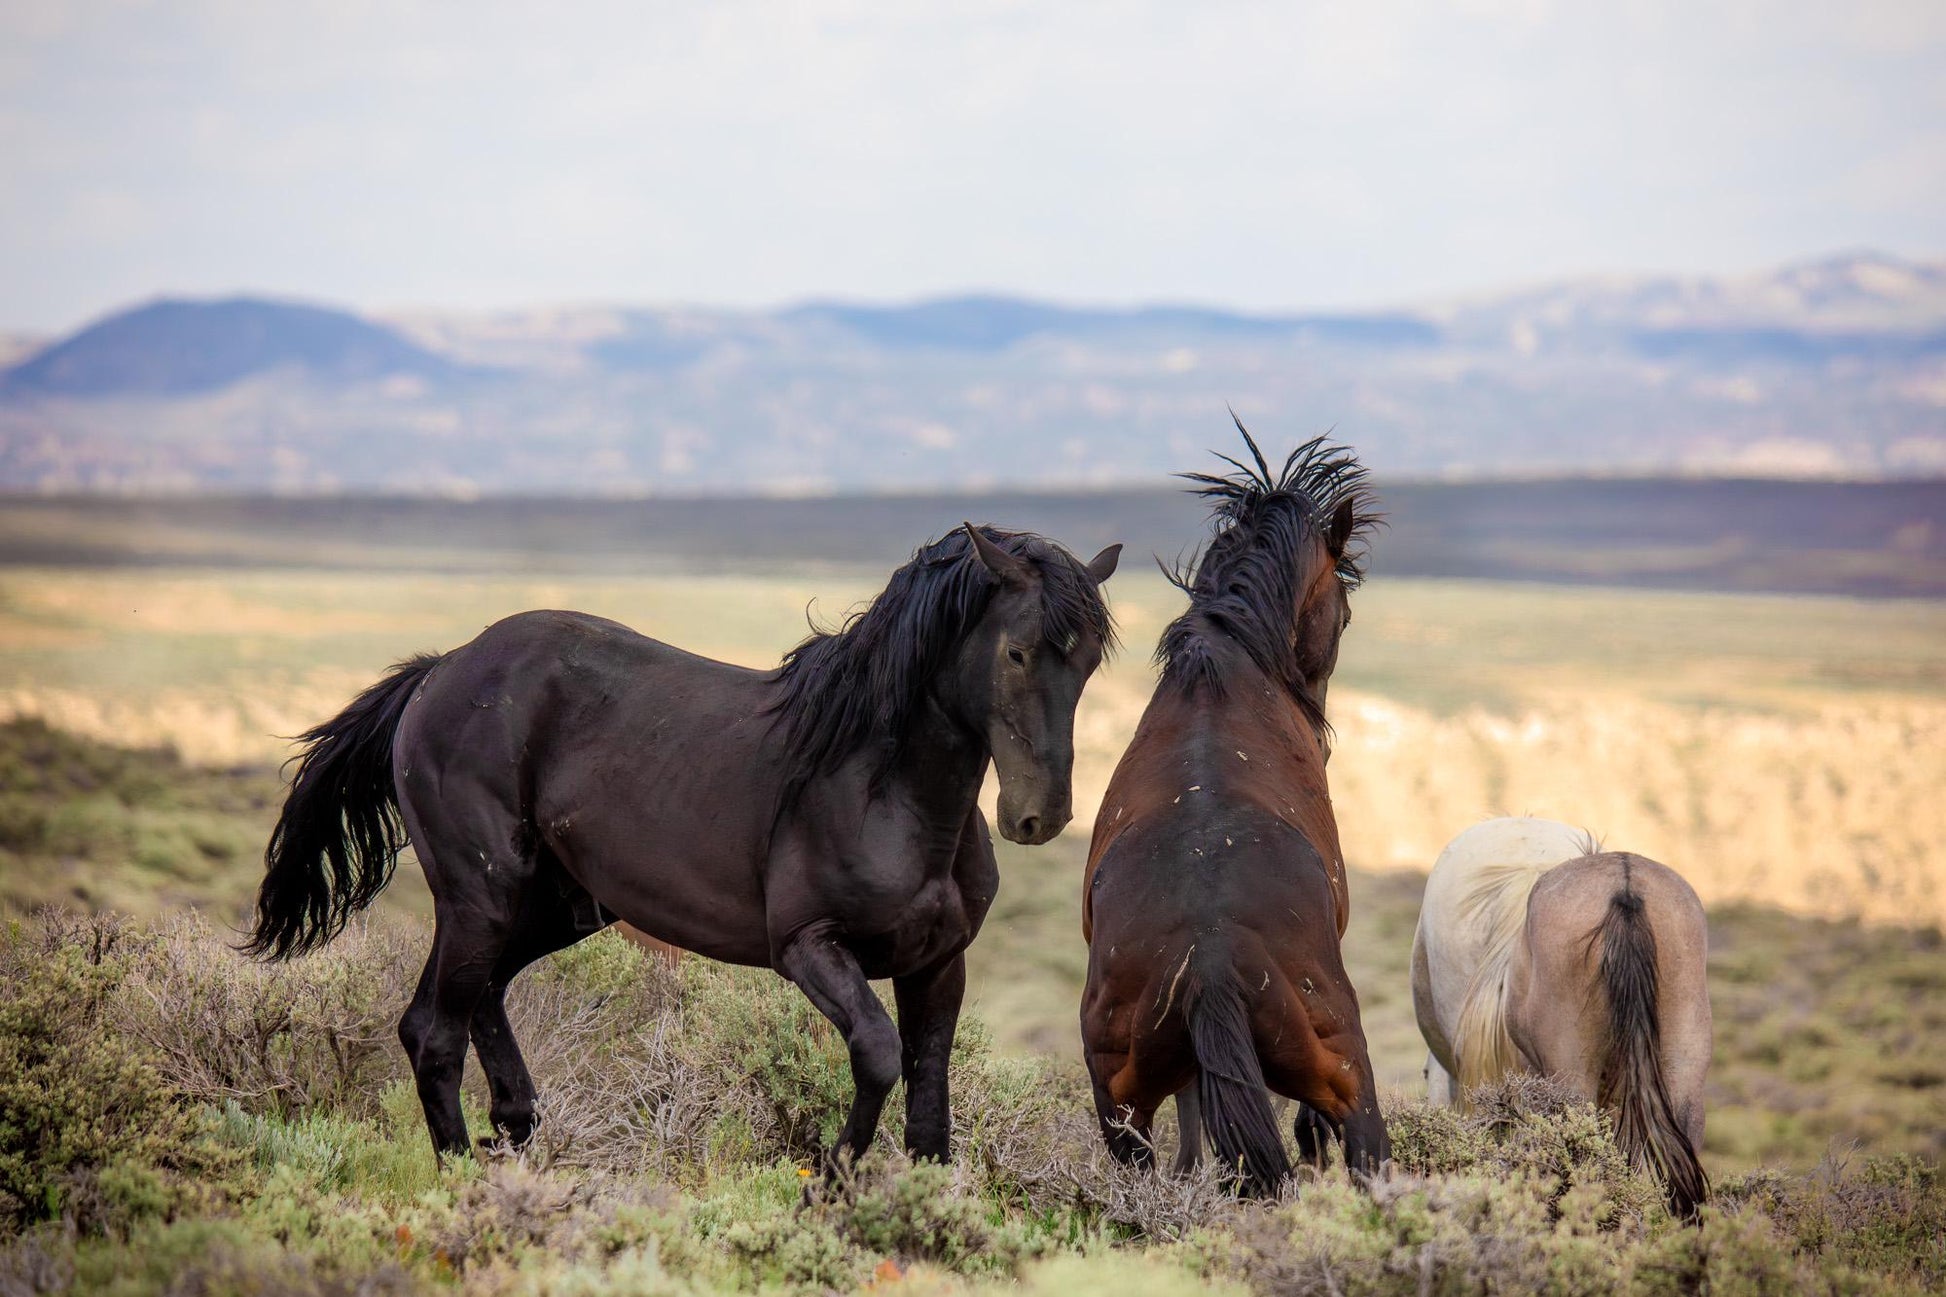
x,y
333,849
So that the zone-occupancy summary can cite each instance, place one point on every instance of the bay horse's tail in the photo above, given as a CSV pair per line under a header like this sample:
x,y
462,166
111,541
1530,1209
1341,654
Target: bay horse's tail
x,y
1631,1084
1236,1105
335,843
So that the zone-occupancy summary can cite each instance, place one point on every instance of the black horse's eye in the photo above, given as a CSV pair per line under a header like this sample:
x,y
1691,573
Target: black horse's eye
x,y
1016,657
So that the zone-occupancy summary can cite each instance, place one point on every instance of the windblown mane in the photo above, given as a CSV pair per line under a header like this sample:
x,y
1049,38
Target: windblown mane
x,y
858,688
1246,582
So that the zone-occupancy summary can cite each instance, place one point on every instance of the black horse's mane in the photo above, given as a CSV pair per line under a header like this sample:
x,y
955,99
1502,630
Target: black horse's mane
x,y
1245,583
860,686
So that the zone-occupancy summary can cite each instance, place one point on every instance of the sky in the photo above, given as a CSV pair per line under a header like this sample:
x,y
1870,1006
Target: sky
x,y
394,155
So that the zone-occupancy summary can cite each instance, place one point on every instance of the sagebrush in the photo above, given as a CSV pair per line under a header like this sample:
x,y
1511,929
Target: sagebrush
x,y
175,1119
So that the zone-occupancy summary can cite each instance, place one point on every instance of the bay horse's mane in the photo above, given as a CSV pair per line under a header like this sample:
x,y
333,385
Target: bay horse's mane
x,y
861,684
1245,583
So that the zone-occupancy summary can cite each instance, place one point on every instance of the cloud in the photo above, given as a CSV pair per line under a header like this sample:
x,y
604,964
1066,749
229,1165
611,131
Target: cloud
x,y
389,154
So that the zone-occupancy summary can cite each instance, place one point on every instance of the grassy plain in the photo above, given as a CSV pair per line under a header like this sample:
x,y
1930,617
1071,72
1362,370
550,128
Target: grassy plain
x,y
1781,750
1785,753
183,1121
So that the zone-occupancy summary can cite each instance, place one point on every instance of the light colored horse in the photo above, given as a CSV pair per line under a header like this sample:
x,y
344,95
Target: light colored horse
x,y
1539,952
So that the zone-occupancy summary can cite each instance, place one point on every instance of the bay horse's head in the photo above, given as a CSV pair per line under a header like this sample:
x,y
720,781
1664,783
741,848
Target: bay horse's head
x,y
1022,667
1277,575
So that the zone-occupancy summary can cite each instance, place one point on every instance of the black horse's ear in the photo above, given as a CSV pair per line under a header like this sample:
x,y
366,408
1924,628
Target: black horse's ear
x,y
1337,535
1102,565
1008,569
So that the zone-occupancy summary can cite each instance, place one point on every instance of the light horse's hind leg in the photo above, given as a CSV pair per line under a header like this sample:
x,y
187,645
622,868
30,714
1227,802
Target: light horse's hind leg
x,y
1441,1088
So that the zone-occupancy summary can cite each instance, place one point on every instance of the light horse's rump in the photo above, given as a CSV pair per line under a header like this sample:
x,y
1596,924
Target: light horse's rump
x,y
1538,952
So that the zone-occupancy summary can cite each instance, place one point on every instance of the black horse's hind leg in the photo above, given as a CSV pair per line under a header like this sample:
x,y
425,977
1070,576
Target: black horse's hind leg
x,y
929,1005
554,915
478,893
434,1029
829,975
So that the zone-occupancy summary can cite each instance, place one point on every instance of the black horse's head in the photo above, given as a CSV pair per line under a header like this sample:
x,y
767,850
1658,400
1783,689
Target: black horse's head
x,y
999,631
1021,670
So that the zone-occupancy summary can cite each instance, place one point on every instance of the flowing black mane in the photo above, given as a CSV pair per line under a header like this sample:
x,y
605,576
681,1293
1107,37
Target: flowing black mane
x,y
1245,583
859,686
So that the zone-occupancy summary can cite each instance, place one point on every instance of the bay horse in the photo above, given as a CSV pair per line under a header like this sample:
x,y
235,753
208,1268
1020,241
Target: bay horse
x,y
1537,951
1215,896
819,819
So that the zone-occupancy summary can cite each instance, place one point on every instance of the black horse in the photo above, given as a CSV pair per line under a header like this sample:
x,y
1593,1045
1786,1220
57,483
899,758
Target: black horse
x,y
819,819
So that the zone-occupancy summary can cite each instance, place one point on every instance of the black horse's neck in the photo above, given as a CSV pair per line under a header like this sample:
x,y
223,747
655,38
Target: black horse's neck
x,y
945,763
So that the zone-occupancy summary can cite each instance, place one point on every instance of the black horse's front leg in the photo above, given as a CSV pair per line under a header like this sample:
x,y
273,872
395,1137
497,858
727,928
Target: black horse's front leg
x,y
929,1005
829,975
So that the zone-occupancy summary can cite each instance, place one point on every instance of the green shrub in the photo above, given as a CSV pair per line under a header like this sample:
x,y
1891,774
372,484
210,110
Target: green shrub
x,y
1889,1218
1434,1139
84,1112
198,1124
758,1029
923,1214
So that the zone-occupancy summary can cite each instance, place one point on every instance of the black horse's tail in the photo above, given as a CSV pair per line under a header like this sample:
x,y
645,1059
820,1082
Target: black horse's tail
x,y
335,842
1631,1084
1236,1106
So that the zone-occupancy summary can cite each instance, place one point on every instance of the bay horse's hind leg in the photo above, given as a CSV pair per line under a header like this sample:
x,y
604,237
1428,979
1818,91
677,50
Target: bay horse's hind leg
x,y
1189,1128
1313,1132
1123,1129
554,914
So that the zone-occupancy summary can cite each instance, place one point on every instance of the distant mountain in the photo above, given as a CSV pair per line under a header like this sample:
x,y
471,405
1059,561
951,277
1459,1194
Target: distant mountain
x,y
179,348
1795,310
1835,367
995,323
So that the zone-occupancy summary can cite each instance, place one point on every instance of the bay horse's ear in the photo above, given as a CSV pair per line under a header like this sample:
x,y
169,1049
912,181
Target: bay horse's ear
x,y
1102,565
1337,534
1008,569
